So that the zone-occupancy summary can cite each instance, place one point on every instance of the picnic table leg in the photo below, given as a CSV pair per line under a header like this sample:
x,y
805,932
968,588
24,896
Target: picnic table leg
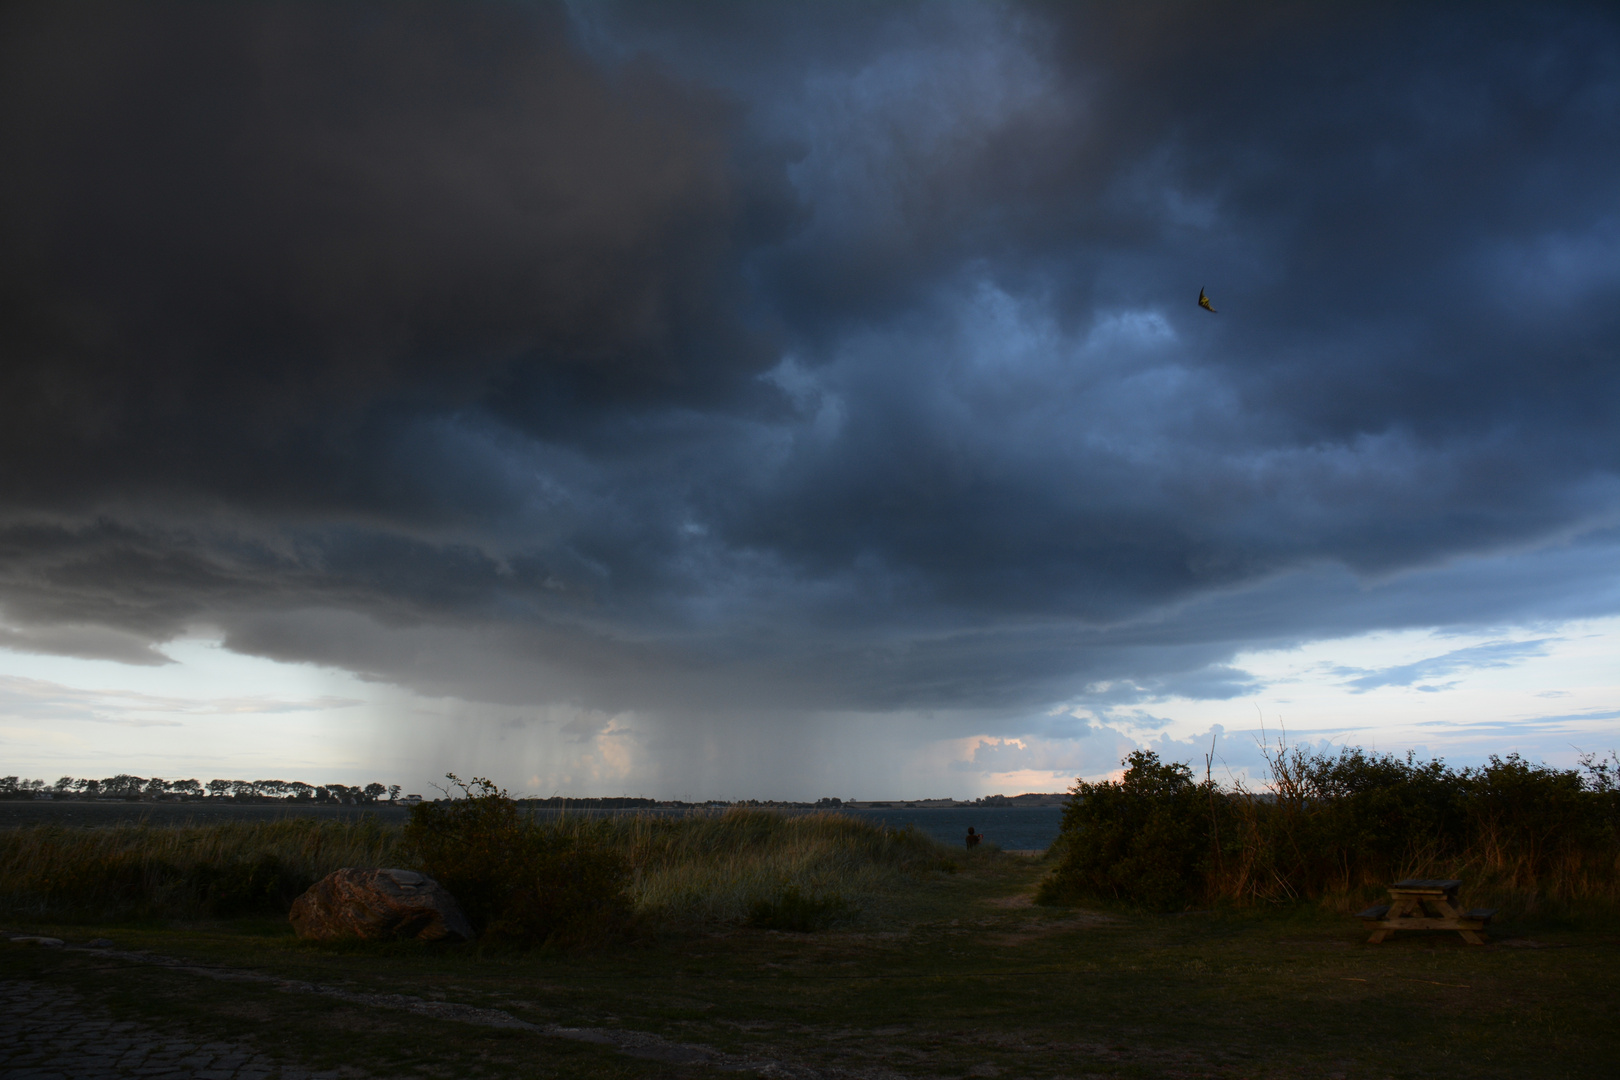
x,y
1401,907
1448,909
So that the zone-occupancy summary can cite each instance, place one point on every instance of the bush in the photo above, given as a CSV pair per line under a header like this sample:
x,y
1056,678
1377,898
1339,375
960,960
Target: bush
x,y
1343,825
261,886
570,894
1144,840
519,883
795,911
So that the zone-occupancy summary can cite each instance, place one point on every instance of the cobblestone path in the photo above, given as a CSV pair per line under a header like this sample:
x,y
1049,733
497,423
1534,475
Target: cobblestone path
x,y
48,1033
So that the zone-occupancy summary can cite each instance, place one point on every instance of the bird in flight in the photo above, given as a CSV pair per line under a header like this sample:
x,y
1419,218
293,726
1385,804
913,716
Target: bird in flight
x,y
1203,301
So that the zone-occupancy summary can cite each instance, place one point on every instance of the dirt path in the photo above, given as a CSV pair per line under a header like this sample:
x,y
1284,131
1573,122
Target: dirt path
x,y
47,1032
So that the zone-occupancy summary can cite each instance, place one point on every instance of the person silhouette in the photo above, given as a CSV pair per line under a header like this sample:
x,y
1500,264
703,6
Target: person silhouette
x,y
973,838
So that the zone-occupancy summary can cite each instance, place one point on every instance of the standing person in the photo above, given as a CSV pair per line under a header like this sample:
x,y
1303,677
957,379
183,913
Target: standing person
x,y
973,838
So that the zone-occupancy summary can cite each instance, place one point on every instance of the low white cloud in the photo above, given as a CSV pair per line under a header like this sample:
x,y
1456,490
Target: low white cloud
x,y
39,699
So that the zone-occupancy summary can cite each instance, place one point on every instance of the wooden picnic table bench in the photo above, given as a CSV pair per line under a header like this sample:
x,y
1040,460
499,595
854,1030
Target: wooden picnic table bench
x,y
1426,904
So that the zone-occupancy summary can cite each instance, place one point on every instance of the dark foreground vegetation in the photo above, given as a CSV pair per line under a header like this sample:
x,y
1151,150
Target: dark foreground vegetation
x,y
923,961
522,880
1524,837
955,975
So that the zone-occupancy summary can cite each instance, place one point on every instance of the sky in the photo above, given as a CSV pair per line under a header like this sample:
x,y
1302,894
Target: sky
x,y
737,400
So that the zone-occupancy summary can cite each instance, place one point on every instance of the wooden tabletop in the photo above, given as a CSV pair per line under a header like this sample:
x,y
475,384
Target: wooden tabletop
x,y
1427,885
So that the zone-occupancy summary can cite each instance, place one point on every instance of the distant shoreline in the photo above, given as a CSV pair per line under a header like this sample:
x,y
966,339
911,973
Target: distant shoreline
x,y
1029,799
1008,825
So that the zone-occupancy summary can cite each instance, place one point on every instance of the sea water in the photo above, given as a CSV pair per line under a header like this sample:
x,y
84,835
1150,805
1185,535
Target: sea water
x,y
1012,828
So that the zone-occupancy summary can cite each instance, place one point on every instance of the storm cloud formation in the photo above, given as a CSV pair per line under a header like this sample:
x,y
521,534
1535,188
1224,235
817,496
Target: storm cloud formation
x,y
778,359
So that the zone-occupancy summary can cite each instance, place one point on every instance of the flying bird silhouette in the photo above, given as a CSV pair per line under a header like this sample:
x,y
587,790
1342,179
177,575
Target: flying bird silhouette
x,y
1203,301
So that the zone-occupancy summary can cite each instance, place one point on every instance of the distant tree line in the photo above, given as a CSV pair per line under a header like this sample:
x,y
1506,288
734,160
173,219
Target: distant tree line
x,y
560,802
125,786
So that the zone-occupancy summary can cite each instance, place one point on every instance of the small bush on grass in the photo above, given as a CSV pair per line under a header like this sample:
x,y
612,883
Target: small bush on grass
x,y
795,911
572,894
519,883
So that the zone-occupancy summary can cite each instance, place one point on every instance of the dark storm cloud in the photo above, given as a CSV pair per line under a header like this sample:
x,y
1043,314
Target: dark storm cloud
x,y
246,247
1393,378
805,357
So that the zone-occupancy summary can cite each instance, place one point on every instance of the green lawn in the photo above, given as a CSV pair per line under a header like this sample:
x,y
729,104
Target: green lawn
x,y
962,977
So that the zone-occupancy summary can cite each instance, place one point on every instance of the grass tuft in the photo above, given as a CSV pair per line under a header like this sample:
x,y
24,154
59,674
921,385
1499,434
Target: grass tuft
x,y
797,912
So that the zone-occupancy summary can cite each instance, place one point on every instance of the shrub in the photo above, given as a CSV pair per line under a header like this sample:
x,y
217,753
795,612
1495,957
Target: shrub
x,y
476,847
519,883
1143,840
259,886
795,911
1343,825
571,893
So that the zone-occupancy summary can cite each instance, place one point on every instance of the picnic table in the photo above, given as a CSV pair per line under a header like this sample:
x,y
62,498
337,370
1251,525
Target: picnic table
x,y
1426,904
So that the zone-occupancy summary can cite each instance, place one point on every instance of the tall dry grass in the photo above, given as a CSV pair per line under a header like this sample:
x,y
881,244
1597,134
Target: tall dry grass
x,y
191,870
694,870
719,868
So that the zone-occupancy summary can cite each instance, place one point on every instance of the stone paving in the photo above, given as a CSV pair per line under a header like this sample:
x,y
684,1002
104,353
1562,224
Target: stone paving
x,y
48,1033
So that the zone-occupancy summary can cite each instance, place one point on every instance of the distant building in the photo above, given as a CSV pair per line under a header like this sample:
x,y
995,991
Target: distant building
x,y
410,800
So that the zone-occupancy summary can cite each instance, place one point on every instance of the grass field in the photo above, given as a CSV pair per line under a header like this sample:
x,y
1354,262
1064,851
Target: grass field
x,y
694,871
960,975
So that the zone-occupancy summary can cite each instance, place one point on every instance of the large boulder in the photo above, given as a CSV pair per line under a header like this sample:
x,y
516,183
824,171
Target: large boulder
x,y
378,905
